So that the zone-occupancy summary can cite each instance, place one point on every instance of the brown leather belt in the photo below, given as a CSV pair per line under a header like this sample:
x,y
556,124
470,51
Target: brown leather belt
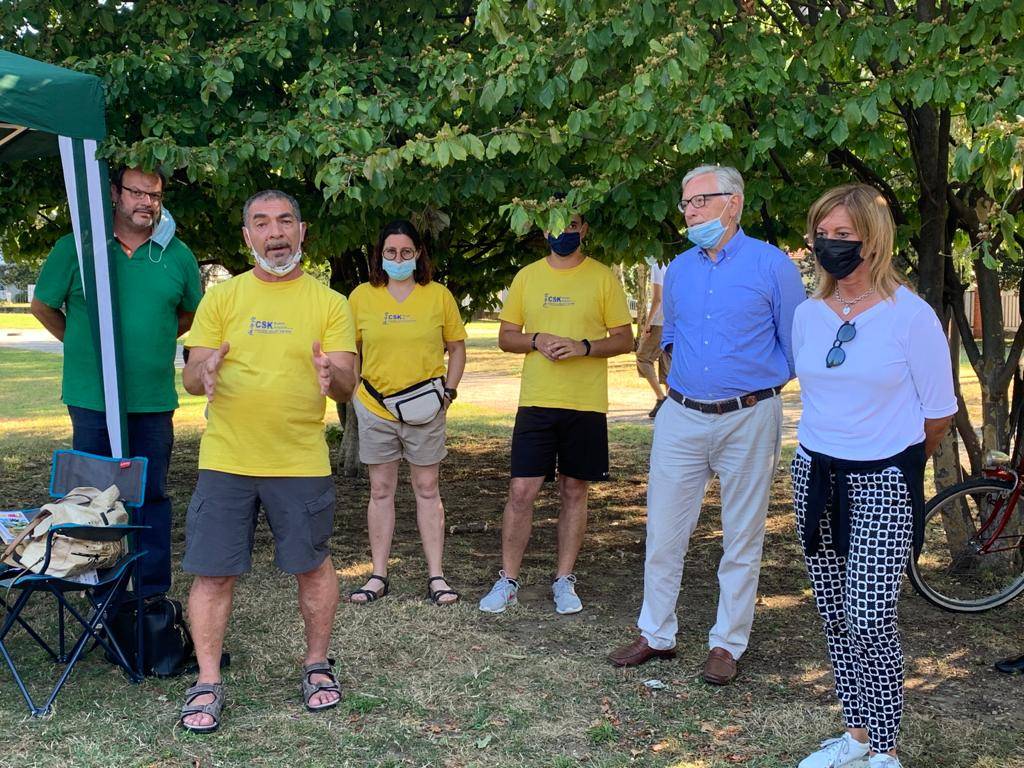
x,y
725,406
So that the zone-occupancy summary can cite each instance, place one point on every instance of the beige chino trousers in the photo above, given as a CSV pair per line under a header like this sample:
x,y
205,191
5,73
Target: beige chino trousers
x,y
742,448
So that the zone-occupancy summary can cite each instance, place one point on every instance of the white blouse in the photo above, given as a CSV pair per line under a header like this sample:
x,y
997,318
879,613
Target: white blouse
x,y
896,374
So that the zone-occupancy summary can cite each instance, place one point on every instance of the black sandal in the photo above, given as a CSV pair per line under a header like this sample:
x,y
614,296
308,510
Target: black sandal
x,y
433,595
369,594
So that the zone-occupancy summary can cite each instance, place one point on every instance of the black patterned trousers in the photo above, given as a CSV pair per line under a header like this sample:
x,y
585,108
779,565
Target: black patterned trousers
x,y
856,597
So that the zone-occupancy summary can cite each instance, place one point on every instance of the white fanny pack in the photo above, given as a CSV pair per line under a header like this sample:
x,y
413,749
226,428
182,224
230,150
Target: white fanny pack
x,y
415,405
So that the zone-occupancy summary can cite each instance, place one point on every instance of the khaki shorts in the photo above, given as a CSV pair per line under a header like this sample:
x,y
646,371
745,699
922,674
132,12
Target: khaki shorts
x,y
649,352
382,440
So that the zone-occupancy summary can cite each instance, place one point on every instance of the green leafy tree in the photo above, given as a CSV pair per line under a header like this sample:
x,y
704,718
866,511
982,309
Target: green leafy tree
x,y
468,116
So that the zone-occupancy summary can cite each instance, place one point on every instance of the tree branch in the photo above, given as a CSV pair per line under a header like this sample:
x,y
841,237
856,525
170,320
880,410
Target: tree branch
x,y
1013,355
868,174
966,335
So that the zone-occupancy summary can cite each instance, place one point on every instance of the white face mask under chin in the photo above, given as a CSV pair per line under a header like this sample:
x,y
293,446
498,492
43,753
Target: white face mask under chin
x,y
283,269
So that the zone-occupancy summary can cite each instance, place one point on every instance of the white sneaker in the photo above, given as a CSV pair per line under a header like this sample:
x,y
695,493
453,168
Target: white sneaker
x,y
566,599
502,595
883,760
841,752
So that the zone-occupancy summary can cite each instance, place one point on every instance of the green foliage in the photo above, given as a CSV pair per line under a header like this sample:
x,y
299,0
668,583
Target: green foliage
x,y
468,118
17,274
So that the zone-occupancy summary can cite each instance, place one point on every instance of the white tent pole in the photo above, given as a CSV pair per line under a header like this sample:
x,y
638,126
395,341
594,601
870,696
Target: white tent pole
x,y
94,218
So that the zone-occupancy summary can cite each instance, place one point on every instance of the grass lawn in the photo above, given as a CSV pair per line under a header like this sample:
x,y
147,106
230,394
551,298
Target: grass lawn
x,y
19,321
452,687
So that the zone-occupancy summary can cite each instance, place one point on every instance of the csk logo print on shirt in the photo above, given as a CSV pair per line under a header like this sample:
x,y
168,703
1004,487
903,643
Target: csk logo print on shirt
x,y
268,326
394,317
557,301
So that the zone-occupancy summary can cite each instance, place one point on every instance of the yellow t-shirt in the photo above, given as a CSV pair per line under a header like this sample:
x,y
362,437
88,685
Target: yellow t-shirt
x,y
267,414
582,302
402,342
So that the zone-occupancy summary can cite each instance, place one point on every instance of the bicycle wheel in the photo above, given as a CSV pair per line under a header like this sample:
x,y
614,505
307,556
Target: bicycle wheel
x,y
952,572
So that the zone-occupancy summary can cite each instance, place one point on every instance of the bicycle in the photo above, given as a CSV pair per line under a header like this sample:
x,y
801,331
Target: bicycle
x,y
981,566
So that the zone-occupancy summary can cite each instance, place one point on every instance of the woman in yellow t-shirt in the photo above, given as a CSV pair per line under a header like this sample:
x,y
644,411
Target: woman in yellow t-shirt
x,y
405,322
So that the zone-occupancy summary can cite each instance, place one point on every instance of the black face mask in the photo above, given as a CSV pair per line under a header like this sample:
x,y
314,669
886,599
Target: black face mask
x,y
838,257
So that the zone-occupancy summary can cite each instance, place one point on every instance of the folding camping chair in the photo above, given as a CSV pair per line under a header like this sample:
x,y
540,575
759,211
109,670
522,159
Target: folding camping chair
x,y
72,469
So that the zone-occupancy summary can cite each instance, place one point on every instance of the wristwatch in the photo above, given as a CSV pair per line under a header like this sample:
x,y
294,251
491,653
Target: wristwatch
x,y
586,343
450,393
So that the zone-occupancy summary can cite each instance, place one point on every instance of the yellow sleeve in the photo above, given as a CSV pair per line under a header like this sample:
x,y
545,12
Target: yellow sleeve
x,y
616,307
512,310
340,335
207,328
453,329
353,305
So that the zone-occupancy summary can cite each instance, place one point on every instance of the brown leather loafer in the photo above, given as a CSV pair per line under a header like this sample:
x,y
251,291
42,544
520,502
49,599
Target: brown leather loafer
x,y
638,652
720,667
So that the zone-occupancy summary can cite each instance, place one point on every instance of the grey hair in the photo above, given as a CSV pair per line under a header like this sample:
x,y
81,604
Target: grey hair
x,y
728,178
270,194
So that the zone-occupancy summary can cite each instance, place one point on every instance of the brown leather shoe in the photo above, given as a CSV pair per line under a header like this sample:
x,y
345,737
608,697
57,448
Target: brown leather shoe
x,y
720,667
637,653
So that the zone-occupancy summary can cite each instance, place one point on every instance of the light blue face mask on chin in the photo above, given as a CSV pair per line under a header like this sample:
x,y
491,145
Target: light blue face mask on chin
x,y
399,270
706,234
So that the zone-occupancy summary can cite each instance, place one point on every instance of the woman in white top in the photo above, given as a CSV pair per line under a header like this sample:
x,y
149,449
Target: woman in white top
x,y
877,391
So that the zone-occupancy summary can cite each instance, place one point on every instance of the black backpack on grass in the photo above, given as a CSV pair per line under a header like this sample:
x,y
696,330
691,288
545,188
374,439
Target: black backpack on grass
x,y
169,651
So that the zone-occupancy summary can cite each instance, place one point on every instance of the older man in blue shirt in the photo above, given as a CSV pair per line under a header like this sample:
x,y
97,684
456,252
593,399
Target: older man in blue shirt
x,y
728,305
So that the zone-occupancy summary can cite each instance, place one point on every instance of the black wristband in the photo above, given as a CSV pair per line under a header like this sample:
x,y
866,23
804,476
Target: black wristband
x,y
586,343
533,341
451,393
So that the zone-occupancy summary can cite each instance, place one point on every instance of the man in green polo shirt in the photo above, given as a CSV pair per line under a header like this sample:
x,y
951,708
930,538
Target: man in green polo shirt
x,y
158,290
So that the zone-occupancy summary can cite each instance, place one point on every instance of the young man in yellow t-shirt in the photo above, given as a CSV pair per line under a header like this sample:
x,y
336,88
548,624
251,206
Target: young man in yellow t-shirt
x,y
567,313
267,346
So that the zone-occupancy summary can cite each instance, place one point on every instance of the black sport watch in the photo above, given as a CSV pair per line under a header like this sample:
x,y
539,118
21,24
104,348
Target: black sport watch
x,y
450,393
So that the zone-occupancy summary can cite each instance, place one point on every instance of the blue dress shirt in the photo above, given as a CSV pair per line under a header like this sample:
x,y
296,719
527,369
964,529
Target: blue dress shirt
x,y
730,321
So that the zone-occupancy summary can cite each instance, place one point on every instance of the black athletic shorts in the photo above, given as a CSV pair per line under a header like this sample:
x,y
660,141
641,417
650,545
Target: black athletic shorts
x,y
573,442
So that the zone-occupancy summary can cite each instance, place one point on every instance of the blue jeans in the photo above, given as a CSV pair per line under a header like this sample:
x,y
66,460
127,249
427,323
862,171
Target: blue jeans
x,y
150,435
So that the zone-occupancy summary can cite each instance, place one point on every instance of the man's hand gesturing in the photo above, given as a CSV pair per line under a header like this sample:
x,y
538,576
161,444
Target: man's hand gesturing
x,y
322,365
210,367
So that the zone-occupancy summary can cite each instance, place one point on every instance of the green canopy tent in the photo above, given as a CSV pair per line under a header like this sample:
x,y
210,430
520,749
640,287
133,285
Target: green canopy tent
x,y
49,110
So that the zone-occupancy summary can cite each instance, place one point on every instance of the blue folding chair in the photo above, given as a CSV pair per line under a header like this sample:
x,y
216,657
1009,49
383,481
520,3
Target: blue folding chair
x,y
72,469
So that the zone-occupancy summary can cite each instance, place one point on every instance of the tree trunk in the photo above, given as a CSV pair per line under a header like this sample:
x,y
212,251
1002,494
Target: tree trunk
x,y
643,279
348,270
348,464
994,395
929,139
957,523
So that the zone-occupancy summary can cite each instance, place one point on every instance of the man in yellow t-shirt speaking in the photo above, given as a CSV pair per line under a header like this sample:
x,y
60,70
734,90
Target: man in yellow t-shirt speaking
x,y
266,346
567,313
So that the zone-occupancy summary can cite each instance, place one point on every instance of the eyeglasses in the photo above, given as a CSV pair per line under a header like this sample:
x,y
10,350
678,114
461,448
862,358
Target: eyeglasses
x,y
837,356
406,254
699,201
141,194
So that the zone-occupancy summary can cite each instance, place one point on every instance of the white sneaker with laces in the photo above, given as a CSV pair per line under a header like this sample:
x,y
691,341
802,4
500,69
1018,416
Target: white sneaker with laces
x,y
841,752
566,599
883,760
503,594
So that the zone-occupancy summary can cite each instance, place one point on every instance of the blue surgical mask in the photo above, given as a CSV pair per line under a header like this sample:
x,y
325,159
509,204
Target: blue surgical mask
x,y
707,234
278,269
399,270
566,244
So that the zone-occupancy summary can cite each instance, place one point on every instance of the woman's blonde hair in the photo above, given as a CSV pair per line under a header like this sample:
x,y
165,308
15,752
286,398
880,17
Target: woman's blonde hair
x,y
873,221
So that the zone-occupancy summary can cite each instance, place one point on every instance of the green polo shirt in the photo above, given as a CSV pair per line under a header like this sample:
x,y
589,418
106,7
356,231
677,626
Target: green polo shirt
x,y
152,287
